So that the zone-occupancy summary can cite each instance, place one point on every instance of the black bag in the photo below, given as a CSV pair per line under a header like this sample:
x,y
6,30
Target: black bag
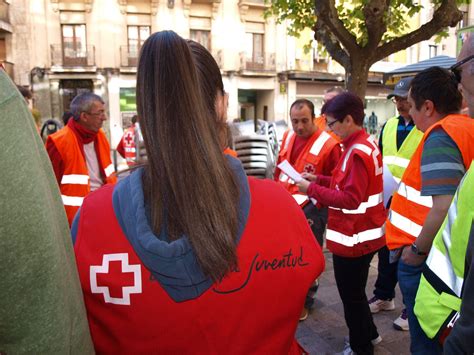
x,y
317,219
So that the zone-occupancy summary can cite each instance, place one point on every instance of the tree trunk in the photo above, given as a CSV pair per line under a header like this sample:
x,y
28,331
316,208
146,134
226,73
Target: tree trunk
x,y
357,75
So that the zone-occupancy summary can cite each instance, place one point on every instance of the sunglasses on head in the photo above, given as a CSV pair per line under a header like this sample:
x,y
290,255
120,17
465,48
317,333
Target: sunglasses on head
x,y
455,68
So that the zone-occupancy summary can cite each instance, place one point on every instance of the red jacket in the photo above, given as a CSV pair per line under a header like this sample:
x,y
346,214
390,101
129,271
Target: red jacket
x,y
254,309
359,231
126,146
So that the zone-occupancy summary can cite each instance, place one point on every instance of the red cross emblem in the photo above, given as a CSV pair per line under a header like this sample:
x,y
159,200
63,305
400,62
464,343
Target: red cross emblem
x,y
309,168
129,138
116,265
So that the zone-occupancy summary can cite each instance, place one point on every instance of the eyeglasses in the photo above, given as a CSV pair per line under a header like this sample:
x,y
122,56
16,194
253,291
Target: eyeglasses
x,y
330,124
98,114
455,69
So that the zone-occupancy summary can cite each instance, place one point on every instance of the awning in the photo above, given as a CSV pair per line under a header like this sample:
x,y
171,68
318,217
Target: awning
x,y
394,76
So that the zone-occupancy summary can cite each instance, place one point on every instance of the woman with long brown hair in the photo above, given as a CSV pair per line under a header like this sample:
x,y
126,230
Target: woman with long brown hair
x,y
187,255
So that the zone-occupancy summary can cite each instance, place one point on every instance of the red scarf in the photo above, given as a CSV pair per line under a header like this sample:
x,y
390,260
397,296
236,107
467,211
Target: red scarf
x,y
86,136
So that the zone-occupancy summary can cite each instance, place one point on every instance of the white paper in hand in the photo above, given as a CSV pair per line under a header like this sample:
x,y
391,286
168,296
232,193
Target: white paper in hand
x,y
390,185
286,167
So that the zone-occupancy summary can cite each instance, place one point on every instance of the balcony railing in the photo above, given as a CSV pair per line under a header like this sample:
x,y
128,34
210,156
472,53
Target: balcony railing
x,y
128,56
68,57
264,62
8,67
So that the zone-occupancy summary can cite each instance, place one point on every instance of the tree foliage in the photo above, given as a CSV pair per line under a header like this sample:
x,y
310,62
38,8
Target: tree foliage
x,y
358,33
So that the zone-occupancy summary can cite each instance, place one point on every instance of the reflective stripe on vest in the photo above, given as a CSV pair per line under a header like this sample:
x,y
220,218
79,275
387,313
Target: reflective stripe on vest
x,y
405,224
372,201
109,170
283,177
319,143
441,265
414,195
397,159
351,240
367,150
440,290
300,199
361,147
288,139
75,179
72,200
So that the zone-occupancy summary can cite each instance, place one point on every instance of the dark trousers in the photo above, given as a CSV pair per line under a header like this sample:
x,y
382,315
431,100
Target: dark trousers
x,y
317,219
351,279
387,277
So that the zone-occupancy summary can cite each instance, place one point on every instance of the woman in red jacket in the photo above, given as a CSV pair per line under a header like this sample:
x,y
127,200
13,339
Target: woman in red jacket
x,y
356,215
187,255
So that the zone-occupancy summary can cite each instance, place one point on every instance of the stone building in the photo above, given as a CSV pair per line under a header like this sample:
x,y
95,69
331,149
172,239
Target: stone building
x,y
60,48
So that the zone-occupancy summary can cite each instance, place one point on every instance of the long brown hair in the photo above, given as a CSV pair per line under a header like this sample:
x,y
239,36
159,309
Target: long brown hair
x,y
188,183
211,83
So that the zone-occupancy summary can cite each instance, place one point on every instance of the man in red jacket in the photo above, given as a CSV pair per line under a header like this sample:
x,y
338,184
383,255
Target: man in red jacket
x,y
308,149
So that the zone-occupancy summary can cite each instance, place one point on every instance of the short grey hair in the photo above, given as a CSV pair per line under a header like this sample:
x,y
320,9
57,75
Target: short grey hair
x,y
82,103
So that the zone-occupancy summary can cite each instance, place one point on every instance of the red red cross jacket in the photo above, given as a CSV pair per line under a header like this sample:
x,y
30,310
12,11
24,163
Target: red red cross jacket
x,y
254,309
360,231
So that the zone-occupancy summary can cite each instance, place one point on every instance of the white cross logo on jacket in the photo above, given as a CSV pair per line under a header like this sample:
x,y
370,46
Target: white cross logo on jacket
x,y
126,267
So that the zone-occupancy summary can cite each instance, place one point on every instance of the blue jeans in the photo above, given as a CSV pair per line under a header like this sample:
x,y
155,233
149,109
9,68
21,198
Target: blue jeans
x,y
409,280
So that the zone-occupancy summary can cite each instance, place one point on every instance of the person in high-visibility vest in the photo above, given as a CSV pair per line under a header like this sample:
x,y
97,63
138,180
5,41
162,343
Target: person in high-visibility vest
x,y
398,140
442,285
80,153
425,192
308,149
444,304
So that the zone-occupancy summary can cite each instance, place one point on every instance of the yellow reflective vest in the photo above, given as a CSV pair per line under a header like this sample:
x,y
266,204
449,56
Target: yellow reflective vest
x,y
397,159
439,295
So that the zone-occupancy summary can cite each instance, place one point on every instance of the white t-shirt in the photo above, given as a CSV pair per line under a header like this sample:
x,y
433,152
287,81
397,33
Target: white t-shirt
x,y
92,166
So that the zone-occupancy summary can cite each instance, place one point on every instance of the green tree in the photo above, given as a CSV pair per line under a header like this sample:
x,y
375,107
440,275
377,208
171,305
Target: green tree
x,y
358,33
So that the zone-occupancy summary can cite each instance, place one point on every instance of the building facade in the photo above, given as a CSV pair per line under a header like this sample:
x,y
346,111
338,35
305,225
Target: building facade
x,y
64,47
60,48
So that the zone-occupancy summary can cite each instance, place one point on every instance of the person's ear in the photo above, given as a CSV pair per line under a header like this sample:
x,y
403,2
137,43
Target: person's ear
x,y
429,108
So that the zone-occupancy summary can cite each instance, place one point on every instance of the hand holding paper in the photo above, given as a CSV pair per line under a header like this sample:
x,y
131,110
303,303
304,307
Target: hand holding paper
x,y
286,167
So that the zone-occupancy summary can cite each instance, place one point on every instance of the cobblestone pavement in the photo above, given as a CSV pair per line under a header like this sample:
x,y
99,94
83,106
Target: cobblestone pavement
x,y
324,330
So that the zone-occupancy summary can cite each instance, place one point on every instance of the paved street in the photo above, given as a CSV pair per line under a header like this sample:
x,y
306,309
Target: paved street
x,y
324,330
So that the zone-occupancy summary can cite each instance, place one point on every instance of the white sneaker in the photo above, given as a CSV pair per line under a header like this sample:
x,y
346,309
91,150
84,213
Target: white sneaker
x,y
401,323
376,341
376,305
347,348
